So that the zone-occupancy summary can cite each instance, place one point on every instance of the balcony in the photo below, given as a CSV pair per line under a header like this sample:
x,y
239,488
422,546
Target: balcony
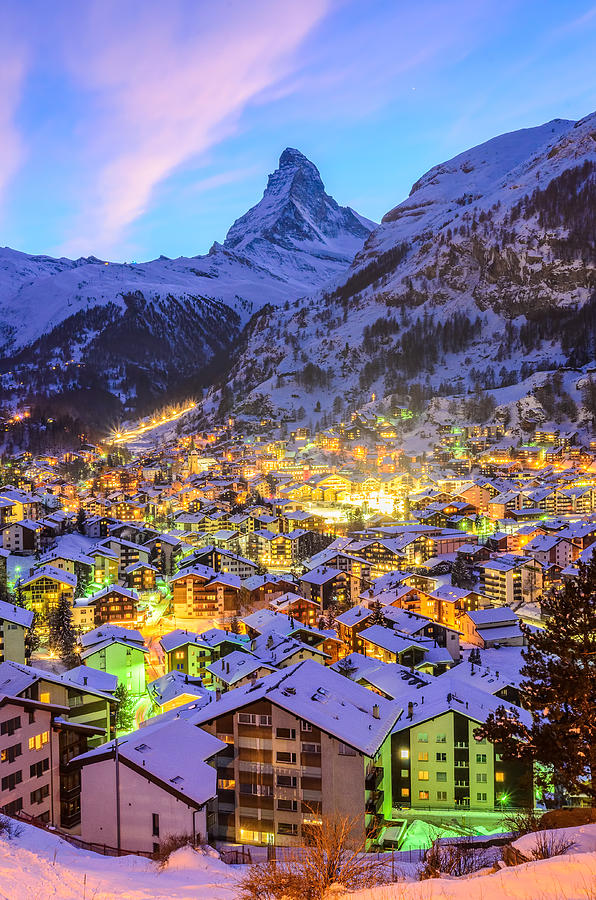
x,y
374,776
374,805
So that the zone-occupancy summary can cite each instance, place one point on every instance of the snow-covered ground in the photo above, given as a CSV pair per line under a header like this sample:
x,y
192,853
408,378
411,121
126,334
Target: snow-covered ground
x,y
37,865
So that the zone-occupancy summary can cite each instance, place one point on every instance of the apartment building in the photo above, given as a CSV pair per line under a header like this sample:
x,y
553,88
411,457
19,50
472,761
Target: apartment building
x,y
437,763
299,745
14,624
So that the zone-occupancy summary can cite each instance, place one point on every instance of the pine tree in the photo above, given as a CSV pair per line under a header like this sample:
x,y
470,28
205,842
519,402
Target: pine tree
x,y
559,691
124,708
235,625
31,638
80,521
62,637
376,609
460,573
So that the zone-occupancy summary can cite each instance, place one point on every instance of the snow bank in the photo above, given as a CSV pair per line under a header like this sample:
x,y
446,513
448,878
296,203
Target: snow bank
x,y
563,878
583,837
37,865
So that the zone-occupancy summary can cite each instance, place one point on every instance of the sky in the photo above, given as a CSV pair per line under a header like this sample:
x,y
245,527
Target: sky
x,y
134,128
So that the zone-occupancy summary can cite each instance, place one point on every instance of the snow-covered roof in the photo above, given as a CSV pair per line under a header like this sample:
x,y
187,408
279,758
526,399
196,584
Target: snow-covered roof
x,y
237,665
176,684
50,572
179,638
171,754
321,696
16,615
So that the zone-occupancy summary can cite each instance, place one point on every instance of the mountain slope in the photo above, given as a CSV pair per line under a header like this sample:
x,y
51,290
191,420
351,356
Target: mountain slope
x,y
147,329
478,278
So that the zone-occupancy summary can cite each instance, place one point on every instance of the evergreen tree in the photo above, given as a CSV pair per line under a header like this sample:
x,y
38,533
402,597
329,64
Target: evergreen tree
x,y
331,614
18,598
80,520
235,625
376,609
124,708
460,573
559,690
62,636
31,638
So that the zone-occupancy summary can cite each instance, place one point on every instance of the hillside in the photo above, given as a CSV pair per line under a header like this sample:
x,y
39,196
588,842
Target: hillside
x,y
484,275
130,333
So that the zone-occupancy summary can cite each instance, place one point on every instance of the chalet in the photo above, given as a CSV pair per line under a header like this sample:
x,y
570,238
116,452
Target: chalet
x,y
497,627
141,576
114,605
23,536
44,587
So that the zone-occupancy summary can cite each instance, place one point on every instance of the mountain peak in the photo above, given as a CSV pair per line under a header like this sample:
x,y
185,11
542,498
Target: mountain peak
x,y
292,157
295,213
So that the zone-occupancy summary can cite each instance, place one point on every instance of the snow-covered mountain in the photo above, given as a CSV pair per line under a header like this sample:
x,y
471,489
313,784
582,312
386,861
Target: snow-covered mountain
x,y
483,275
136,331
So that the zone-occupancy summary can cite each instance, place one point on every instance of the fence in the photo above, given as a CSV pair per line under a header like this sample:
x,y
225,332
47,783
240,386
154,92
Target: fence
x,y
76,841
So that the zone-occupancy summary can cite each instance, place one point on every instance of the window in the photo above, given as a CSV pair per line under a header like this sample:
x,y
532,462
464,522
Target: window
x,y
9,754
423,737
247,719
441,795
481,757
481,778
44,697
311,748
9,782
179,654
405,792
345,750
405,773
286,781
441,757
500,776
11,809
287,828
39,740
404,754
290,805
423,795
283,757
10,725
226,784
498,757
265,720
285,734
305,726
481,797
441,739
423,775
423,756
155,824
40,794
441,776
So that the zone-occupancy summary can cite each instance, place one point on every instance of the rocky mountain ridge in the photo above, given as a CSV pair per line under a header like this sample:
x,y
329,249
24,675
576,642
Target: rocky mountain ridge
x,y
483,275
132,333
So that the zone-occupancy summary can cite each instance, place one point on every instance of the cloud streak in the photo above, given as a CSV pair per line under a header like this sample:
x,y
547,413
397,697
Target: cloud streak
x,y
167,88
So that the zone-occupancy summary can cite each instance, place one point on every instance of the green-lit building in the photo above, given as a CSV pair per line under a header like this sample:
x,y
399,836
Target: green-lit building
x,y
119,651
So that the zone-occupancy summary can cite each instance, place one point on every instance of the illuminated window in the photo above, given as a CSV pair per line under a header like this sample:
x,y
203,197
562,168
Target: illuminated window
x,y
404,754
422,737
405,792
423,756
499,776
423,775
44,697
423,795
37,742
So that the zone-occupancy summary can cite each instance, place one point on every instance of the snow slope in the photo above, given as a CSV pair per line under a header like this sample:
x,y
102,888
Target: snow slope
x,y
39,866
503,233
138,328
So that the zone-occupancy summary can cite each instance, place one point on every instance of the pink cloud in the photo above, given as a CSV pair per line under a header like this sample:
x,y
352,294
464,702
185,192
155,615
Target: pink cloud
x,y
165,87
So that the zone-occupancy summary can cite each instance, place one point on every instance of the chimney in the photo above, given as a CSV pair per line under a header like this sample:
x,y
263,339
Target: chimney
x,y
410,709
376,713
84,679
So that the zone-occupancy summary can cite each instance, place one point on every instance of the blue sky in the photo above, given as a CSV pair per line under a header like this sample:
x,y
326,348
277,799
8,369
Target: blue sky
x,y
130,129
